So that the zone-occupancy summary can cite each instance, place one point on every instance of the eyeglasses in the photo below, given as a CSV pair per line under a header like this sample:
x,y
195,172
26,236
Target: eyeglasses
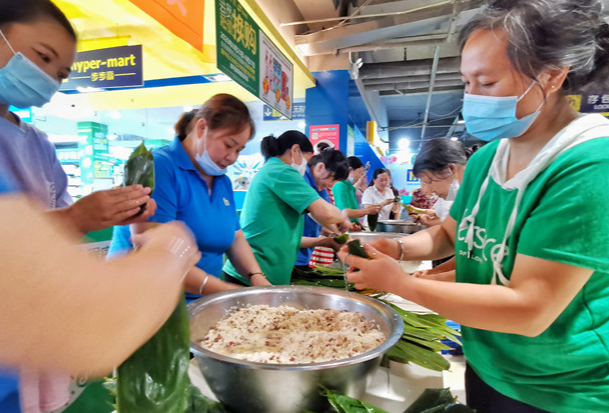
x,y
429,181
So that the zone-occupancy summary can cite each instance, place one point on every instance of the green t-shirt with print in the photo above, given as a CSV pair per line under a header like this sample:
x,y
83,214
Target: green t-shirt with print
x,y
272,219
562,217
344,196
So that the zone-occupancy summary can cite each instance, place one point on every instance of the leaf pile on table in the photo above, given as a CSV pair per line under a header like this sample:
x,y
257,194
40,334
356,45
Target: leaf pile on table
x,y
430,401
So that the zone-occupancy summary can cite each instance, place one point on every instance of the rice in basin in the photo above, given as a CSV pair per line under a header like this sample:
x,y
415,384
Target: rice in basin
x,y
286,335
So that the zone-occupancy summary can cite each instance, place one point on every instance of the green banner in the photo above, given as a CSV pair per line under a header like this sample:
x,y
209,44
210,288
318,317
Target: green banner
x,y
246,55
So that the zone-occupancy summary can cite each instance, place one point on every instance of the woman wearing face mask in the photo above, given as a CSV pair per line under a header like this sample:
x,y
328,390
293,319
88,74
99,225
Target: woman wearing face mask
x,y
440,165
191,186
531,290
379,193
37,47
323,171
345,192
273,214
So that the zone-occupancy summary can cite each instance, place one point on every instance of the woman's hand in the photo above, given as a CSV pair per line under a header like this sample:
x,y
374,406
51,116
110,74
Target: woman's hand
x,y
379,271
103,209
373,209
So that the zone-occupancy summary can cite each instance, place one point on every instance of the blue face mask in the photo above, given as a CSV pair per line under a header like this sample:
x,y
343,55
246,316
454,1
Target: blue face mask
x,y
23,84
492,117
209,166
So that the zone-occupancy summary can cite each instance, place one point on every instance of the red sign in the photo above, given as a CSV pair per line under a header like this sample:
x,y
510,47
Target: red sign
x,y
329,134
184,18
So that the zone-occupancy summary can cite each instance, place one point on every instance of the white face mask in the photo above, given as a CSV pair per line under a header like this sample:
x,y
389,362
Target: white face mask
x,y
442,206
302,167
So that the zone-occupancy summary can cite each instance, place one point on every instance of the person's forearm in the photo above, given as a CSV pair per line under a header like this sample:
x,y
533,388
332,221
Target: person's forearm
x,y
67,221
242,257
430,244
310,242
76,312
199,282
325,213
355,213
444,267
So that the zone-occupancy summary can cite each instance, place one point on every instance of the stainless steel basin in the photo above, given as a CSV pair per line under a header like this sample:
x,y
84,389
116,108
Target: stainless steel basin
x,y
247,387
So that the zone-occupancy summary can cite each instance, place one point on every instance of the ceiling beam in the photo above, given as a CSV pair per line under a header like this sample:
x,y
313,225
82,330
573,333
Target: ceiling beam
x,y
415,21
422,92
371,83
403,87
408,68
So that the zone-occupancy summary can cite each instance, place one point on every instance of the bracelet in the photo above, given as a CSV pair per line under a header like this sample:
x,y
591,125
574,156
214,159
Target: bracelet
x,y
402,249
259,272
203,284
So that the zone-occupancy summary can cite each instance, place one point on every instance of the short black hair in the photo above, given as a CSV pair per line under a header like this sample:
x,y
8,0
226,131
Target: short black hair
x,y
28,11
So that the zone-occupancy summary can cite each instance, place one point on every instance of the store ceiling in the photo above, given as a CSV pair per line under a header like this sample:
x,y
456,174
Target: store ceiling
x,y
409,78
408,81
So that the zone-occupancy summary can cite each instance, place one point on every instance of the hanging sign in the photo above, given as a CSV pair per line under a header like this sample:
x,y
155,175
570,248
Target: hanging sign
x,y
107,68
184,18
329,134
251,59
270,114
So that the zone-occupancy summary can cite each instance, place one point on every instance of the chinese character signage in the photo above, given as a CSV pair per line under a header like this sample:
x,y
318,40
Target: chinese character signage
x,y
329,134
248,56
184,18
595,103
270,114
107,68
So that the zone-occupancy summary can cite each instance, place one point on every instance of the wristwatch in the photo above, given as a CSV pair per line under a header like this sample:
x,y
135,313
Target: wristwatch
x,y
251,274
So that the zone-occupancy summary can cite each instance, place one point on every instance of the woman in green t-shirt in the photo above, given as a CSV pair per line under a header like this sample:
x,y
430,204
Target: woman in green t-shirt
x,y
272,218
345,192
531,243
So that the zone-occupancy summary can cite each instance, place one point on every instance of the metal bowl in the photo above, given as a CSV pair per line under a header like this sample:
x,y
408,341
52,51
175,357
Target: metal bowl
x,y
247,387
404,227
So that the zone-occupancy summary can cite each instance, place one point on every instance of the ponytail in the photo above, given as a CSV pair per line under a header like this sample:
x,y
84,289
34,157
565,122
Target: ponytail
x,y
273,147
184,125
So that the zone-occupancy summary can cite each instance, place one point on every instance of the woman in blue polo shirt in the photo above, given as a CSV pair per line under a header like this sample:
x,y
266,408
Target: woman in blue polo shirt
x,y
323,171
191,186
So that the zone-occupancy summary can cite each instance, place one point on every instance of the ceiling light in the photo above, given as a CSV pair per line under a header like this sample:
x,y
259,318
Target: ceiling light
x,y
461,122
301,124
187,108
115,114
404,143
454,138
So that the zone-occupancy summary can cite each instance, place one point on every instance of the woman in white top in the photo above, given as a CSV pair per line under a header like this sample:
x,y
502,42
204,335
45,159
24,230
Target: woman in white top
x,y
380,193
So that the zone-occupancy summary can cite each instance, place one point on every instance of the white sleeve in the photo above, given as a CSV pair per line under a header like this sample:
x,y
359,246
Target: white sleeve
x,y
368,197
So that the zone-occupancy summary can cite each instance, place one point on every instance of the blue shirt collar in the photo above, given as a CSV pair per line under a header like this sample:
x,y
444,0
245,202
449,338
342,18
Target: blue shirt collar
x,y
311,178
181,156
